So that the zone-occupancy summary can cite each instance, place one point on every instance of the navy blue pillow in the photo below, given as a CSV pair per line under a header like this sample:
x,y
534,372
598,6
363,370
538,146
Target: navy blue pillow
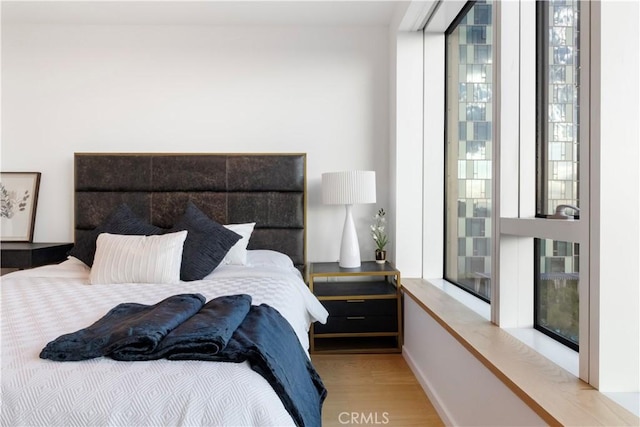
x,y
206,245
121,221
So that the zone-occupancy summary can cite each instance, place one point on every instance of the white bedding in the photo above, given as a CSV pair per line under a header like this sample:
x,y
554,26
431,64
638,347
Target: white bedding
x,y
41,304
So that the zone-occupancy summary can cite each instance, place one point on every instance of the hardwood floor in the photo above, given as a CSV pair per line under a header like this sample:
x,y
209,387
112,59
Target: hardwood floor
x,y
372,389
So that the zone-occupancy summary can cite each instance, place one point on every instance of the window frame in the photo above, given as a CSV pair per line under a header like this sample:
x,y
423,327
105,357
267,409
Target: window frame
x,y
542,17
518,225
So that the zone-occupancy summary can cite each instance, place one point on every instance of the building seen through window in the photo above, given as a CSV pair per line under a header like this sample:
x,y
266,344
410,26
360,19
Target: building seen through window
x,y
469,139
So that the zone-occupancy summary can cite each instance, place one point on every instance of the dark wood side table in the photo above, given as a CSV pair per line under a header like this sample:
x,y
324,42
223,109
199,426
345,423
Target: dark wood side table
x,y
28,255
364,305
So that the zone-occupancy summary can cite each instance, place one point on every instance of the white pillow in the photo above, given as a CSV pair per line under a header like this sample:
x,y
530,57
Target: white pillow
x,y
137,259
237,255
269,258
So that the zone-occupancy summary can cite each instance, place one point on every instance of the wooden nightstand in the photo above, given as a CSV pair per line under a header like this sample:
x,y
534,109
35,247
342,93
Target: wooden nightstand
x,y
364,305
28,255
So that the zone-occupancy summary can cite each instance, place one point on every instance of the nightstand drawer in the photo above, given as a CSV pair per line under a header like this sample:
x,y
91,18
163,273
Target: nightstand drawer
x,y
357,324
362,307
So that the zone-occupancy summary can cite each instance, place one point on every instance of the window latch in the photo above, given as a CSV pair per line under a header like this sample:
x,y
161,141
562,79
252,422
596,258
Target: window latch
x,y
561,214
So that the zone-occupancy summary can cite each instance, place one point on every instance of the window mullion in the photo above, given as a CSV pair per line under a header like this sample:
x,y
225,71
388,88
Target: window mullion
x,y
509,305
588,356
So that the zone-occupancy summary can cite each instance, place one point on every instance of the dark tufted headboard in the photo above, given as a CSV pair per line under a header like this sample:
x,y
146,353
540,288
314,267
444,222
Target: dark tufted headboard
x,y
268,189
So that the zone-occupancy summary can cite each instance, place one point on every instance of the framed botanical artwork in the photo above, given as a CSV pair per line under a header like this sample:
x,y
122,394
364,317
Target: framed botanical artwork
x,y
19,191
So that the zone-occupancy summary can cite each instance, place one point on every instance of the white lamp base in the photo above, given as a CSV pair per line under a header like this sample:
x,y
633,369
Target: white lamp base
x,y
349,249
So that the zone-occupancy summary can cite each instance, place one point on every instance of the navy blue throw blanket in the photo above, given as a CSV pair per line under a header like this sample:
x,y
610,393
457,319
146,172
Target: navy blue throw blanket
x,y
271,346
130,327
208,330
226,329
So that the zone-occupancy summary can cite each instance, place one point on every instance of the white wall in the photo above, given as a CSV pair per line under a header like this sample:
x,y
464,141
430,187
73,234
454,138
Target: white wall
x,y
408,153
143,88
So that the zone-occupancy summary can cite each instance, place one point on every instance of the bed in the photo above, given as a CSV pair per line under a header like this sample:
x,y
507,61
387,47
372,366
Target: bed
x,y
41,304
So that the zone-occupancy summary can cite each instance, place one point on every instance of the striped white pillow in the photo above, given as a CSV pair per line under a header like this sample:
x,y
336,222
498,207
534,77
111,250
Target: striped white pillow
x,y
137,259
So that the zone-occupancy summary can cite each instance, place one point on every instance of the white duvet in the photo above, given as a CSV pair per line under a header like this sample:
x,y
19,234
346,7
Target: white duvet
x,y
41,304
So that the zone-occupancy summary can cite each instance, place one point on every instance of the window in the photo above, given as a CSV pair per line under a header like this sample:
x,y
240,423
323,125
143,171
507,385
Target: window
x,y
556,310
468,163
588,161
556,292
557,84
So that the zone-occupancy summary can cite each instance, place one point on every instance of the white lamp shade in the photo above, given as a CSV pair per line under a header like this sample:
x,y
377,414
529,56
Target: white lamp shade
x,y
348,188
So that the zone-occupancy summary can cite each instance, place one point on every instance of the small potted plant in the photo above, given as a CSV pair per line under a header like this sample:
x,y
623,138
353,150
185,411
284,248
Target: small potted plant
x,y
380,236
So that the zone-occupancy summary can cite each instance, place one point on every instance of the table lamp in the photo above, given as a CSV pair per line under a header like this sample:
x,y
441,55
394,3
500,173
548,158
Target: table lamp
x,y
349,188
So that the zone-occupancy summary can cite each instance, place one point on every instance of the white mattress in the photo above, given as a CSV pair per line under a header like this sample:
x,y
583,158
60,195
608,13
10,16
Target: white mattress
x,y
41,304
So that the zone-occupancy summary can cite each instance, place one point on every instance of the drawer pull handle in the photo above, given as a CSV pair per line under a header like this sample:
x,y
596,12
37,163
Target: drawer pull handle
x,y
355,300
355,318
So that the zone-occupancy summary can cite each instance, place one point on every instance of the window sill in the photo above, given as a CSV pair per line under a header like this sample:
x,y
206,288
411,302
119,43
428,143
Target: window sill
x,y
559,354
476,304
549,348
552,392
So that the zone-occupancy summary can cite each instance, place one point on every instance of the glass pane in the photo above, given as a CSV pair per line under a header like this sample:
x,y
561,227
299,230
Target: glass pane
x,y
557,308
468,150
558,94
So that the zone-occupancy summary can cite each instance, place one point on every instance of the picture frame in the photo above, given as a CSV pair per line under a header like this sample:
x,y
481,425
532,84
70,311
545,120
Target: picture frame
x,y
19,193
